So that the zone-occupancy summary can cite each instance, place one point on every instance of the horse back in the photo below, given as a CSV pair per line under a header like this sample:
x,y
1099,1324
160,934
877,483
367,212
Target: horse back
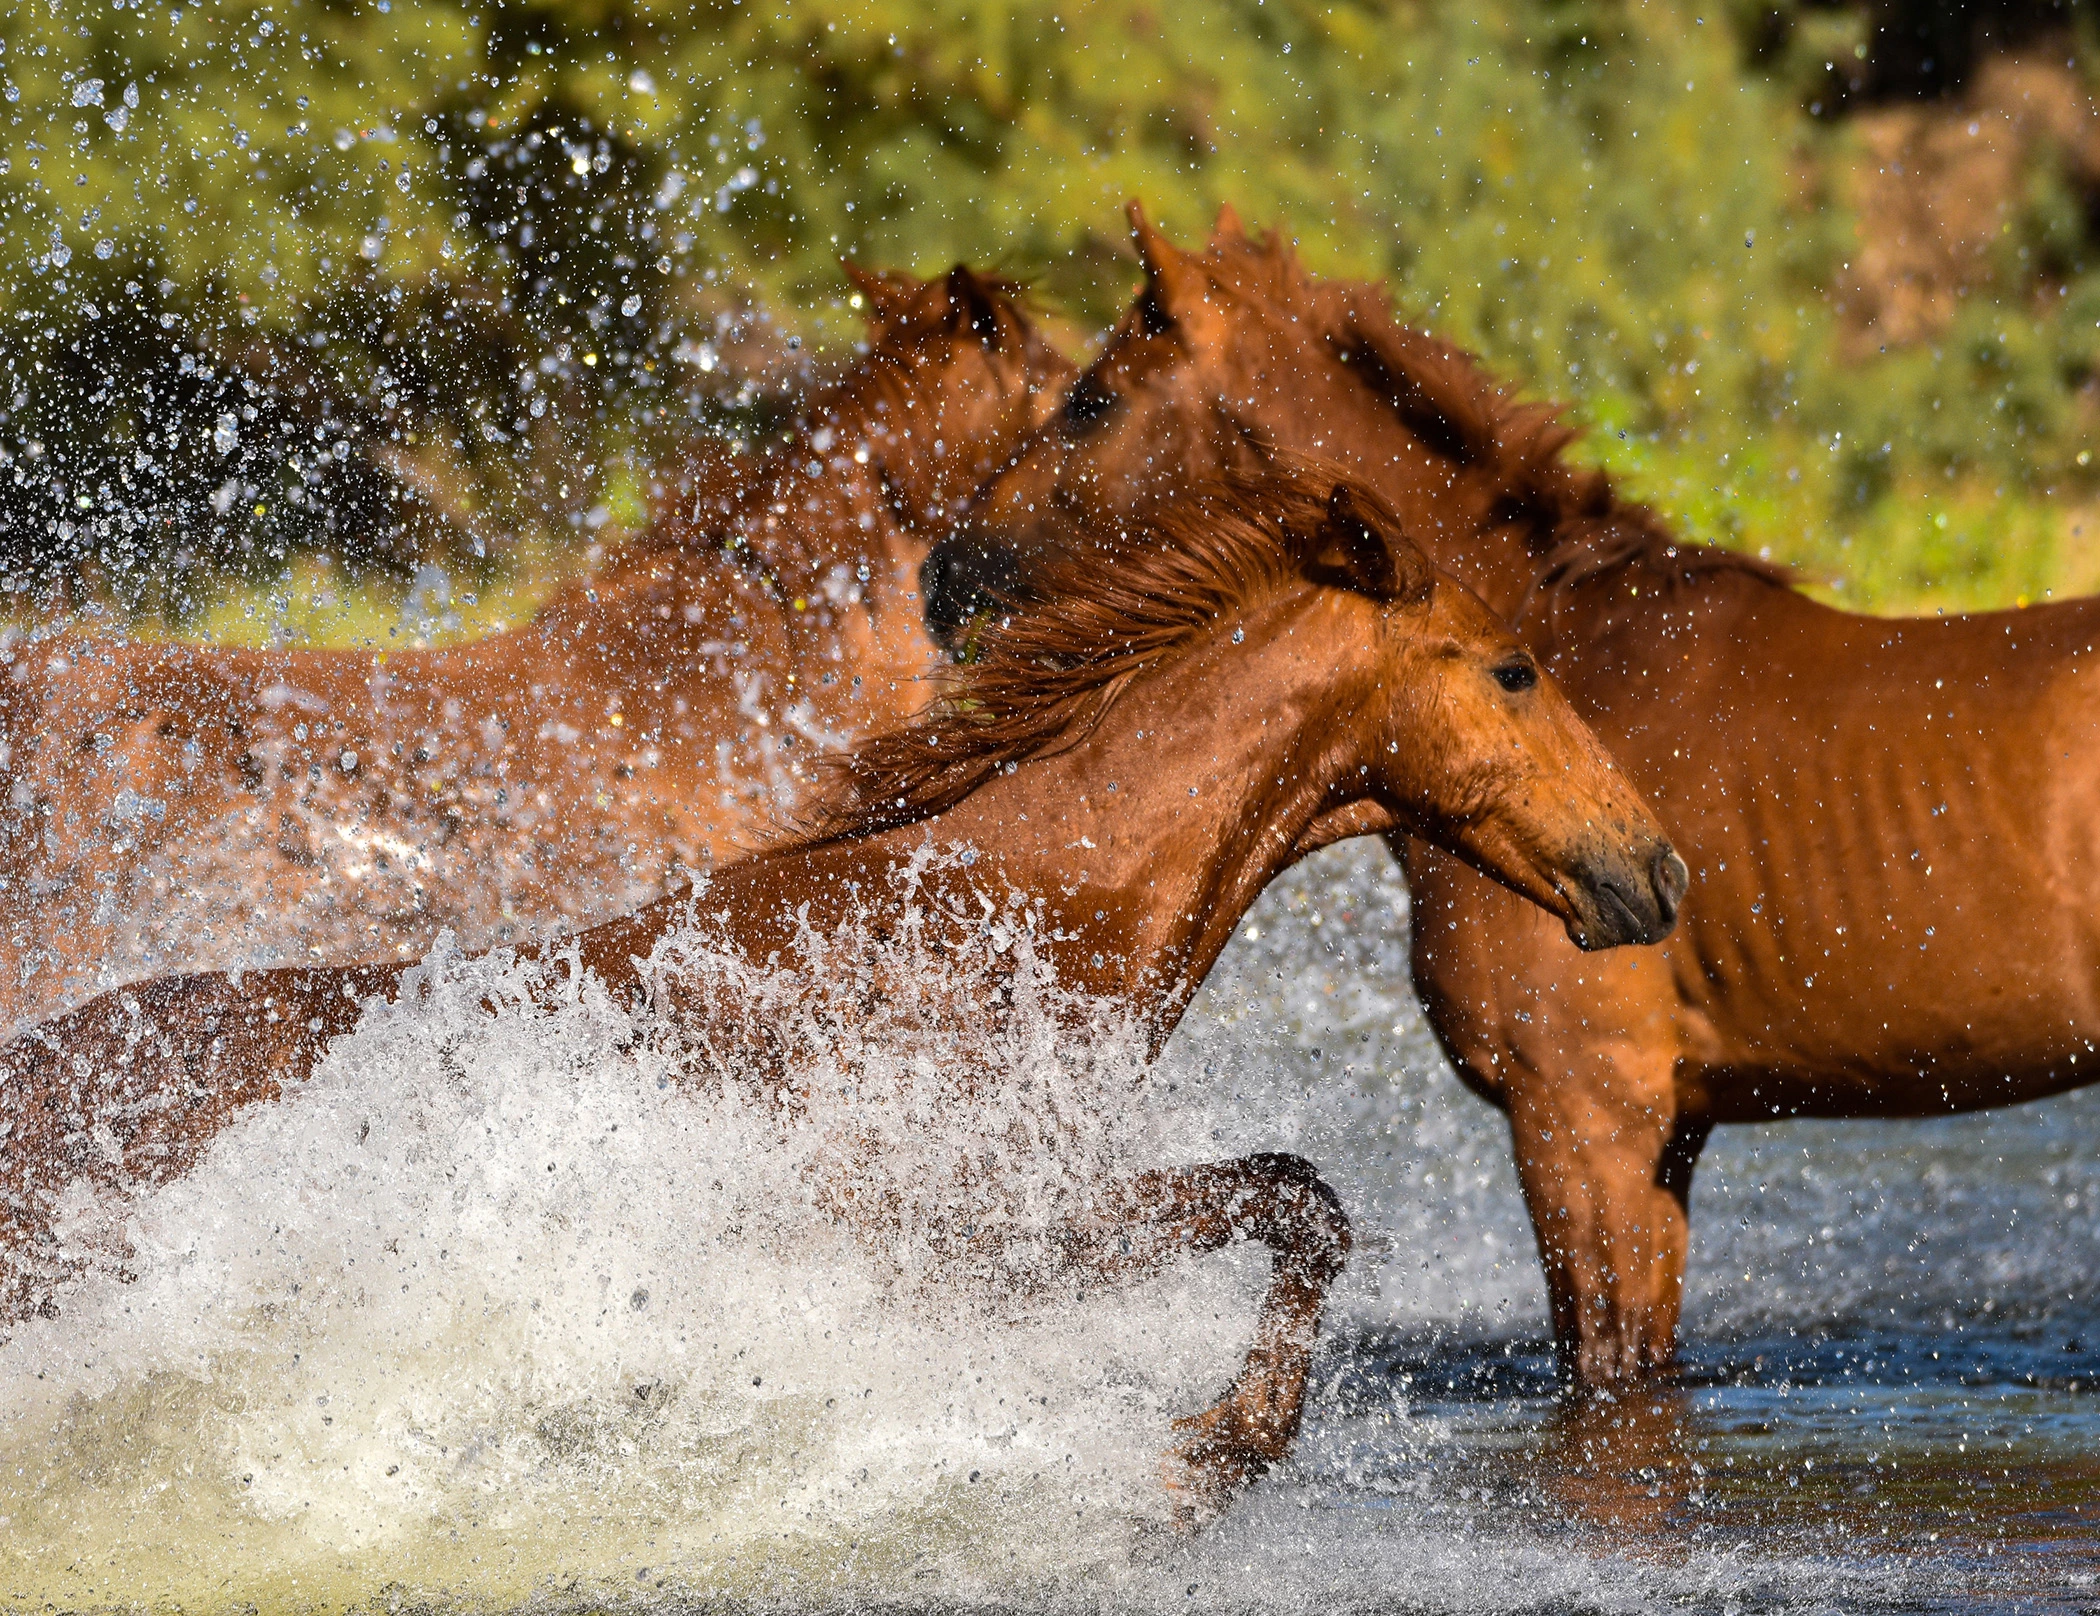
x,y
1894,832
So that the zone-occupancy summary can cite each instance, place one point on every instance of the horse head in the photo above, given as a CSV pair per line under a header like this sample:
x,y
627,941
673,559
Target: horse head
x,y
1483,755
957,377
1449,727
1234,350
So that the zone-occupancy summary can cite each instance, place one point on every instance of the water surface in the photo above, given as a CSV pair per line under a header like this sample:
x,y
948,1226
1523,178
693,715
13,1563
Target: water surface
x,y
1891,1347
498,1316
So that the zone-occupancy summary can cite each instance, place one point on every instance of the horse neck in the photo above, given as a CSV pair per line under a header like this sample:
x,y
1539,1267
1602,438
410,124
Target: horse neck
x,y
1495,561
1166,821
811,529
1191,795
1446,501
1297,399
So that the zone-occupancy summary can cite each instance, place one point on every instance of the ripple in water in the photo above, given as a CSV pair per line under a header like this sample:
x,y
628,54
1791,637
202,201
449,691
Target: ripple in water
x,y
495,1313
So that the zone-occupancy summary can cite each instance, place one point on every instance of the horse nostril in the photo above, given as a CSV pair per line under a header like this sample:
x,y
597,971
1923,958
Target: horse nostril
x,y
1670,878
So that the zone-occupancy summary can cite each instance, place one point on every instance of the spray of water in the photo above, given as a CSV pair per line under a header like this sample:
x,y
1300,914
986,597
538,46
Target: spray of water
x,y
549,1297
546,1306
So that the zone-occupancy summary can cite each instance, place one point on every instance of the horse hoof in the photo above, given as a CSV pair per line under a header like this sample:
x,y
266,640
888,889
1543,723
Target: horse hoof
x,y
1218,1461
1193,1498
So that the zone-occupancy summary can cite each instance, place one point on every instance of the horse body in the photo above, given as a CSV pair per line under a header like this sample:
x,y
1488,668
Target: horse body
x,y
1895,913
1129,765
1904,810
179,804
1897,904
369,800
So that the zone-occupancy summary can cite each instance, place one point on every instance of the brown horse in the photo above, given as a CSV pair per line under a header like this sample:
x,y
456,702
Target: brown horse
x,y
1124,765
1898,906
184,805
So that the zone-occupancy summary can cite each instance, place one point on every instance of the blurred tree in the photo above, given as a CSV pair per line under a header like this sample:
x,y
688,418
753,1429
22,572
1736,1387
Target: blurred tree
x,y
395,282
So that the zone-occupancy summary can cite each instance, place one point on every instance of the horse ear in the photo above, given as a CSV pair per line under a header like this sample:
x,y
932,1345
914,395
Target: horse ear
x,y
1174,282
889,294
974,302
1361,547
1228,227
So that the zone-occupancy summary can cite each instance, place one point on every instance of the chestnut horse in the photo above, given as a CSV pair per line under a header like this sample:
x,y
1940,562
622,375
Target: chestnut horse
x,y
1125,764
182,805
1892,821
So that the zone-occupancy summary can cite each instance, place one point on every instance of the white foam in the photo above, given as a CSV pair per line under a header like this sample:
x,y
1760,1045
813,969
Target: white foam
x,y
495,1304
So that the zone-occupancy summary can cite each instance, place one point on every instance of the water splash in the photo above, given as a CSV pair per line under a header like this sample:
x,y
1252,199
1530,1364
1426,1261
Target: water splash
x,y
376,1353
498,1304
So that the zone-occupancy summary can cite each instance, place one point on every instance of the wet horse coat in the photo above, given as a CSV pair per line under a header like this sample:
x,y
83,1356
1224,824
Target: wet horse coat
x,y
1894,826
174,806
1129,763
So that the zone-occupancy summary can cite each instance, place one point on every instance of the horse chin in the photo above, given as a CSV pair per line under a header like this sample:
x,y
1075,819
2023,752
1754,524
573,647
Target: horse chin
x,y
1621,901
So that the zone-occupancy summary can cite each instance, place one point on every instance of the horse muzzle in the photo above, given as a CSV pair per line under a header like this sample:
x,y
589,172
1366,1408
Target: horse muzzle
x,y
1627,899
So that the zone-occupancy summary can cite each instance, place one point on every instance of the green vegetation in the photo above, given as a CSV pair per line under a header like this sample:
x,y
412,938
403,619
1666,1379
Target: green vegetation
x,y
443,282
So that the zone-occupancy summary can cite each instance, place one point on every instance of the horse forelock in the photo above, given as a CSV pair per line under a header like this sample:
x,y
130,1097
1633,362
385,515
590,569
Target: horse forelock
x,y
1110,603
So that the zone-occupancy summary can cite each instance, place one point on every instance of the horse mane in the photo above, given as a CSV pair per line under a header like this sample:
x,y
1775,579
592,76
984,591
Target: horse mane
x,y
1102,609
1581,528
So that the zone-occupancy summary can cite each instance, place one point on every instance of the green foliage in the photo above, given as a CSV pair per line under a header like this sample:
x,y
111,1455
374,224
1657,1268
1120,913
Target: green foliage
x,y
295,276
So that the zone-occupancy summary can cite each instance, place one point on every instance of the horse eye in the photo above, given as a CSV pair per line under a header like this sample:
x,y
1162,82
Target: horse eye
x,y
1516,676
1087,402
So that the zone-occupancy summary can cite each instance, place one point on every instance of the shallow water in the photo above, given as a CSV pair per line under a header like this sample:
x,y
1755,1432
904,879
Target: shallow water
x,y
1891,1389
494,1315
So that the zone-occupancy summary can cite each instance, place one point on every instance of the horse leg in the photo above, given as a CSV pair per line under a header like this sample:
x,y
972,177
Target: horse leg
x,y
1139,1226
128,1090
1583,1051
1606,1166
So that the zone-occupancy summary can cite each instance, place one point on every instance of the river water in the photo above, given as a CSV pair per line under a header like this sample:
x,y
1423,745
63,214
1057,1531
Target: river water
x,y
494,1316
